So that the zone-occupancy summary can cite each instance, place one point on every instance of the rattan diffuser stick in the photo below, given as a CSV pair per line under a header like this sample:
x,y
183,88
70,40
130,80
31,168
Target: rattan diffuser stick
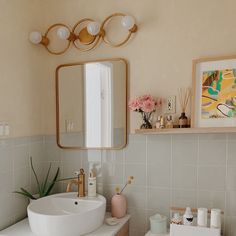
x,y
184,96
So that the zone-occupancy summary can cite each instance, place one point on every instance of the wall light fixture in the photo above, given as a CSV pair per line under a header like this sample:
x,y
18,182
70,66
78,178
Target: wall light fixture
x,y
85,35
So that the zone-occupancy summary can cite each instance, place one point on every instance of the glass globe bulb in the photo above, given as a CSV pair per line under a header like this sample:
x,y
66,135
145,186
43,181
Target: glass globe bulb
x,y
128,22
94,28
63,33
35,37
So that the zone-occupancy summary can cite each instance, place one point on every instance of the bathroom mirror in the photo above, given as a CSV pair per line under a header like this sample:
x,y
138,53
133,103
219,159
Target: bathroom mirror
x,y
91,104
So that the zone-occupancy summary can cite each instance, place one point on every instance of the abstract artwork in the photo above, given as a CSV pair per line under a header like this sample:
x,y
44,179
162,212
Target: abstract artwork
x,y
218,94
214,92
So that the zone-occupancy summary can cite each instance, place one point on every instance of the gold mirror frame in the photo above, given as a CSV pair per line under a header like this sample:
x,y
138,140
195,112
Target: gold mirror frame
x,y
58,106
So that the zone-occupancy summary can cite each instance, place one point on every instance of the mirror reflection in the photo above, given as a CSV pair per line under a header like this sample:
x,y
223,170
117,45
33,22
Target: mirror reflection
x,y
91,104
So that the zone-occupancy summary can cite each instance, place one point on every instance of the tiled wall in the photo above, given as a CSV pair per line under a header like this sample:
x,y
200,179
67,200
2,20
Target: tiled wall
x,y
15,172
179,170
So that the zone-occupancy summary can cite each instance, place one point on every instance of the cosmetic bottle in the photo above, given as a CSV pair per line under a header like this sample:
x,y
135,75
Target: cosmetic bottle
x,y
183,121
188,217
92,185
169,122
202,217
158,123
215,218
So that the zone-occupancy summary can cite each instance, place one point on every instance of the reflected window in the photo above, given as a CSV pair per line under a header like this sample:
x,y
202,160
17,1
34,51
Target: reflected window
x,y
98,107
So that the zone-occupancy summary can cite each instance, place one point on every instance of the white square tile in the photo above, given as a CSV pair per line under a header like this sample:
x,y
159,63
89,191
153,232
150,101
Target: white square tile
x,y
185,152
135,152
21,156
183,198
211,199
21,178
37,152
136,196
138,171
6,205
159,200
114,156
184,176
159,174
185,137
231,203
212,137
158,149
70,156
231,153
6,159
112,173
231,178
211,178
52,151
109,191
212,152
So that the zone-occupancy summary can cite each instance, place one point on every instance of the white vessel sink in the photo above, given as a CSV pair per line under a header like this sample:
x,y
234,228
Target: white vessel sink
x,y
65,214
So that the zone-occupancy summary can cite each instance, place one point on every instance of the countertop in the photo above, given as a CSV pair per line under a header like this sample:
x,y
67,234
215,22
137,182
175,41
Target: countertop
x,y
22,228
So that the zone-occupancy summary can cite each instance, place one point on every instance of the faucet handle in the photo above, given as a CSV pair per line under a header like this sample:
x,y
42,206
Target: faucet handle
x,y
80,172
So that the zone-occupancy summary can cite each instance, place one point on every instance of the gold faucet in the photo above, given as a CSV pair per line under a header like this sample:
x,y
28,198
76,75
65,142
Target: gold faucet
x,y
80,182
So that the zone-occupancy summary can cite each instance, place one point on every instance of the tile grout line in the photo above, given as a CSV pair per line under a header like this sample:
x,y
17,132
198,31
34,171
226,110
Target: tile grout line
x,y
198,153
226,176
146,189
171,173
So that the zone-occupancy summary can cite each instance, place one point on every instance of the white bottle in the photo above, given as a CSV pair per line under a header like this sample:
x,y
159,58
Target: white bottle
x,y
216,218
202,217
188,217
92,185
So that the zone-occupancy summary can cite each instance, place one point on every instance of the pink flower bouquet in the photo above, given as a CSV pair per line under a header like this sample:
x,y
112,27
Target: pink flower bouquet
x,y
145,105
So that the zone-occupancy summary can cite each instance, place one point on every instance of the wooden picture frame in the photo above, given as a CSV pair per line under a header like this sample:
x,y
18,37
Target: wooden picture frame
x,y
214,92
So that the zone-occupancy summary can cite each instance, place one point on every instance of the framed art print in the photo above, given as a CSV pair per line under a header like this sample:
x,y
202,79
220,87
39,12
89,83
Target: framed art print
x,y
214,92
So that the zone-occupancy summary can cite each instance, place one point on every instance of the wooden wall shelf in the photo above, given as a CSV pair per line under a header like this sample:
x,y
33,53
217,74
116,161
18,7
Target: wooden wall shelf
x,y
210,130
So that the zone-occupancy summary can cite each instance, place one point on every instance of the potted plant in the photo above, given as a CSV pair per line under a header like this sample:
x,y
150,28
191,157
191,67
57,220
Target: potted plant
x,y
44,189
145,105
118,201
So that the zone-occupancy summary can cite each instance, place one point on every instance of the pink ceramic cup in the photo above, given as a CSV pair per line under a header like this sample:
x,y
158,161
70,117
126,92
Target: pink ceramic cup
x,y
118,206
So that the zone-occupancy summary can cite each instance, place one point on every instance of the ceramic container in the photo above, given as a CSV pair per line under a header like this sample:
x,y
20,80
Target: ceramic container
x,y
118,206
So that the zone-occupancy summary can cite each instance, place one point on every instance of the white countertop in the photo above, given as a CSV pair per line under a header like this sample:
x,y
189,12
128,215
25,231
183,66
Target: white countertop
x,y
22,228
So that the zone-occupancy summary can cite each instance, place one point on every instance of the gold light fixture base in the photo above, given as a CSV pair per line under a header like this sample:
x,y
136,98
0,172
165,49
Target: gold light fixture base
x,y
86,38
44,41
134,29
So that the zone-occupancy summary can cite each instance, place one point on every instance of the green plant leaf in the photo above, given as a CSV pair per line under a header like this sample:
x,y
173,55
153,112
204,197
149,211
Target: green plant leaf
x,y
35,175
52,183
46,179
25,193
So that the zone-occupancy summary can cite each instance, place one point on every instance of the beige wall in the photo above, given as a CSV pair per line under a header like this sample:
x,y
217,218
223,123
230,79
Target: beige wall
x,y
21,67
71,97
171,33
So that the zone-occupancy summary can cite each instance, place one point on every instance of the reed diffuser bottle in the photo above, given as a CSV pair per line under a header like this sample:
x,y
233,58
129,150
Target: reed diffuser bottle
x,y
184,95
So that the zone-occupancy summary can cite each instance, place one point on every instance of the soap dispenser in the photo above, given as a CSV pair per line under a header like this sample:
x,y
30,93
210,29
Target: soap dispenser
x,y
92,185
188,217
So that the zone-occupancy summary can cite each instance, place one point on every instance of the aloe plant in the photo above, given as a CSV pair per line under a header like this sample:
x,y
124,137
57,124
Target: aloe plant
x,y
44,188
